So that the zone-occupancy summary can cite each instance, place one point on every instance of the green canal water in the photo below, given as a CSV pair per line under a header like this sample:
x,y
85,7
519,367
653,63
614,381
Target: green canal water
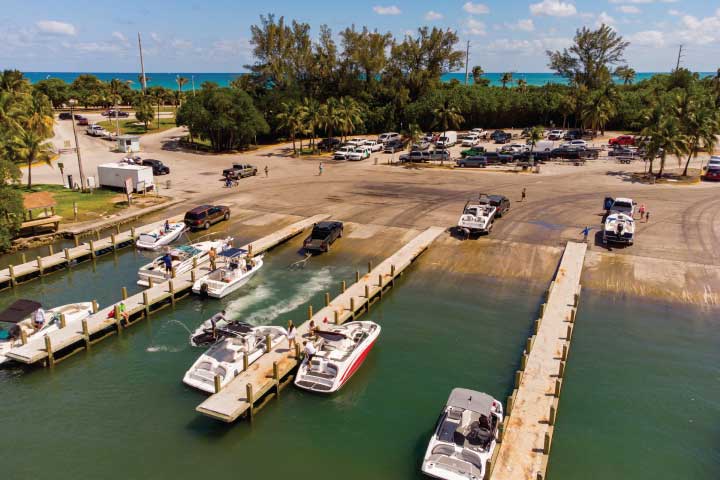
x,y
641,399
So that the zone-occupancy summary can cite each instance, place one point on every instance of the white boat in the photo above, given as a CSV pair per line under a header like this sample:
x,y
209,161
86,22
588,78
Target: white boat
x,y
160,237
19,318
341,349
619,228
182,261
205,336
226,358
477,217
465,436
234,269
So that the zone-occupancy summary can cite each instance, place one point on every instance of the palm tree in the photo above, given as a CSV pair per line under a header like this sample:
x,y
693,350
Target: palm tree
x,y
625,73
12,81
115,87
351,115
506,78
522,85
600,108
566,105
662,136
290,118
312,112
447,117
702,125
330,118
536,134
32,147
477,73
181,82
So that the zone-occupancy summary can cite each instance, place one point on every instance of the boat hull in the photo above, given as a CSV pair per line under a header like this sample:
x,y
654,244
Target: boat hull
x,y
161,241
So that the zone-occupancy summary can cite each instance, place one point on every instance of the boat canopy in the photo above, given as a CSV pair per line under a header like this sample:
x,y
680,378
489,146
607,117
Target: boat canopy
x,y
188,249
233,252
18,311
470,400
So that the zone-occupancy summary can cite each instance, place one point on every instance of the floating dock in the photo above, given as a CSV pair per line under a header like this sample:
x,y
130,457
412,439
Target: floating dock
x,y
54,261
264,379
67,340
527,431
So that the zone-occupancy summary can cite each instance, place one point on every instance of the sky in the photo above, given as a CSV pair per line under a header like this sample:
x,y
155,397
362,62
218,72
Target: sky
x,y
213,36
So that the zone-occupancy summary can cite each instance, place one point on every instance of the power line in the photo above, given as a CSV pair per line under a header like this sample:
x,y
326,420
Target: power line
x,y
679,57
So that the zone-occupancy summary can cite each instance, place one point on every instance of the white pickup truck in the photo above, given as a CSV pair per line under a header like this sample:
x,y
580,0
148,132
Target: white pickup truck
x,y
97,131
373,145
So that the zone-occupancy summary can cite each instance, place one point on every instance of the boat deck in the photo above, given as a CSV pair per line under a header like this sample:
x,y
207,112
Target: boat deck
x,y
138,306
240,395
528,429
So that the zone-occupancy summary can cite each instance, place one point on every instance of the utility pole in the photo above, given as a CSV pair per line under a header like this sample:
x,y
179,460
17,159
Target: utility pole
x,y
72,103
677,66
142,66
467,61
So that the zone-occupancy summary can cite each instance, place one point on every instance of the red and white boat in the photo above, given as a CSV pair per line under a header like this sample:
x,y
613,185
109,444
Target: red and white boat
x,y
341,349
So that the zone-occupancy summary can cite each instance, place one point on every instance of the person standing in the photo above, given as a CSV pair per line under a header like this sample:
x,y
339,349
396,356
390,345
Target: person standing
x,y
310,351
586,232
291,332
647,216
167,261
642,211
212,256
267,171
214,321
523,195
320,169
167,226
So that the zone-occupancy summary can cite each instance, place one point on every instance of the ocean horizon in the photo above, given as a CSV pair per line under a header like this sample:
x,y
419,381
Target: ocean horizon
x,y
167,79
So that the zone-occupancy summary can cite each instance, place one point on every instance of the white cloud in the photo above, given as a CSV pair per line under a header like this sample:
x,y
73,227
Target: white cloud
x,y
56,28
526,25
536,46
433,15
121,37
553,8
155,37
476,8
647,38
95,47
628,9
674,13
605,19
700,31
389,10
181,44
475,27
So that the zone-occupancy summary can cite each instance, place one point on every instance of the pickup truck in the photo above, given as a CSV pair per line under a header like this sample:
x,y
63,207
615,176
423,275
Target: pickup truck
x,y
322,236
392,146
240,170
359,153
425,156
622,140
97,131
573,153
373,145
473,151
498,157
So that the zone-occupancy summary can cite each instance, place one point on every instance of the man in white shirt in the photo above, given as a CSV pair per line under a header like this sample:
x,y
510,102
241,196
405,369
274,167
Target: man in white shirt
x,y
38,319
310,350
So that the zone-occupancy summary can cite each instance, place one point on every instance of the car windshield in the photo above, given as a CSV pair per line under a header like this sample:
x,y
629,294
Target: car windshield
x,y
622,206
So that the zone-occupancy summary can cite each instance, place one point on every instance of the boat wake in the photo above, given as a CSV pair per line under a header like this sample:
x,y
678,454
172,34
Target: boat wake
x,y
163,349
320,281
236,307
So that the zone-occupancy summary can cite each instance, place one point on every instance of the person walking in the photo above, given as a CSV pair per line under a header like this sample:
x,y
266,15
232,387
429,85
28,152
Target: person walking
x,y
291,332
267,171
212,256
647,216
320,169
585,233
642,211
523,195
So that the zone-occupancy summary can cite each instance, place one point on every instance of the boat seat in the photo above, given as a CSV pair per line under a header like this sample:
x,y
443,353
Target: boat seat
x,y
443,449
454,413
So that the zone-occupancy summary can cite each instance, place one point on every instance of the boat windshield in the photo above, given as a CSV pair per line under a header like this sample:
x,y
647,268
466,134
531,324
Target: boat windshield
x,y
186,250
331,336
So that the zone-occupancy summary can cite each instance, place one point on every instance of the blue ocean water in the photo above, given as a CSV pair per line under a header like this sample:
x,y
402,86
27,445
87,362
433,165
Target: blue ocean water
x,y
223,79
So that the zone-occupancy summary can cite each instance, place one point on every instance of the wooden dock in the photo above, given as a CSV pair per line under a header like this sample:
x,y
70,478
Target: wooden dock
x,y
264,379
54,261
66,341
526,434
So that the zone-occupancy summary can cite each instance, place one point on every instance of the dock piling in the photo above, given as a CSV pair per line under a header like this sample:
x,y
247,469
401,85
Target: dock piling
x,y
523,361
337,317
193,276
67,255
112,240
124,293
77,241
95,306
297,352
246,361
22,257
50,249
561,370
132,233
343,286
553,414
49,350
310,312
11,271
86,332
518,378
268,343
40,265
369,267
327,299
250,400
92,248
558,387
546,444
63,323
151,284
118,317
276,377
542,310
23,336
217,383
357,276
367,291
352,304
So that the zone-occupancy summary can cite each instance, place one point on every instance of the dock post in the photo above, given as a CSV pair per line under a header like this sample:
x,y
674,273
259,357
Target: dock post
x,y
310,312
92,248
40,265
146,302
246,361
95,306
523,361
558,387
343,286
569,333
23,336
117,228
50,250
501,431
537,326
577,296
546,445
518,378
297,352
77,240
112,240
150,282
369,267
573,312
172,272
193,278
553,414
118,317
97,234
23,258
268,343
250,400
217,383
132,233
561,370
510,402
529,344
327,299
11,271
171,289
367,291
86,333
63,323
194,260
542,310
352,305
357,276
563,357
380,282
276,377
392,271
337,317
49,350
67,255
488,469
124,293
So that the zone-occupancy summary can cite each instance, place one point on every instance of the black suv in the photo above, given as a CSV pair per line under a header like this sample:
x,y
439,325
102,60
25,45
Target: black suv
x,y
472,161
158,167
206,215
500,202
393,146
322,236
497,157
329,143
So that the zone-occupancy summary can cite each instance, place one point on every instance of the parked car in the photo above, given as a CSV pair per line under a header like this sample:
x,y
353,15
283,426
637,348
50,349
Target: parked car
x,y
478,131
343,152
712,174
575,143
556,135
574,134
472,162
96,131
240,170
622,151
500,134
355,142
373,145
470,140
329,143
425,156
448,139
158,167
714,162
501,139
388,137
473,151
359,153
497,157
322,236
515,148
500,202
393,146
206,215
67,116
622,140
420,145
538,156
573,153
82,121
115,114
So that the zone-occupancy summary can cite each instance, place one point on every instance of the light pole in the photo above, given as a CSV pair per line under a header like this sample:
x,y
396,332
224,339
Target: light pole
x,y
72,103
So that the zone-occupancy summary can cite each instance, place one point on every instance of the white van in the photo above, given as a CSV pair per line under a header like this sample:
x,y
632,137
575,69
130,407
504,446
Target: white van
x,y
448,139
544,146
388,137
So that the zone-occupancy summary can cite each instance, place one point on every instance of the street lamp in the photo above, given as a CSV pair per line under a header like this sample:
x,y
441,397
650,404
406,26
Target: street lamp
x,y
72,103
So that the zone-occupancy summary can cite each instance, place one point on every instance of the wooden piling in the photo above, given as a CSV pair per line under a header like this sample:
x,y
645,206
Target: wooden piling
x,y
529,343
380,282
542,309
501,431
337,317
568,334
95,306
172,272
523,361
553,414
63,322
297,352
112,240
77,240
546,445
537,326
327,299
310,312
558,387
92,248
86,333
343,286
367,291
561,370
132,233
564,354
357,276
124,293
250,400
276,377
171,290
40,265
11,271
518,378
246,361
392,271
67,255
97,234
217,383
150,282
573,313
268,343
193,276
49,350
352,304
23,336
50,250
22,257
369,267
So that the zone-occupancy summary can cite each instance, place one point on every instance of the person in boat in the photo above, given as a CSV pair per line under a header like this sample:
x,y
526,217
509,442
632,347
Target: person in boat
x,y
38,319
291,332
249,263
234,263
212,256
313,329
167,261
214,321
310,350
620,229
167,226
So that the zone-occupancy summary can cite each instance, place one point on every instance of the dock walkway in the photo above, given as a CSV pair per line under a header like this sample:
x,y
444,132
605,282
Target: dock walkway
x,y
532,409
265,375
100,324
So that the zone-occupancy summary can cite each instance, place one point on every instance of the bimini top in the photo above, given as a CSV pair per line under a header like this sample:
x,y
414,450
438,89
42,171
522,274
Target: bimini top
x,y
18,311
470,400
233,252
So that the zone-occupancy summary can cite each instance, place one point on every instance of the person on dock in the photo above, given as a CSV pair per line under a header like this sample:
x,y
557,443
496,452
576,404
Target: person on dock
x,y
212,256
523,194
291,332
38,319
312,329
267,171
320,169
123,312
167,261
310,350
214,321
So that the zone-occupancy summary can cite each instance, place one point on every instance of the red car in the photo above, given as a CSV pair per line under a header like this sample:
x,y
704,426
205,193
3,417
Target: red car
x,y
712,174
622,140
80,120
